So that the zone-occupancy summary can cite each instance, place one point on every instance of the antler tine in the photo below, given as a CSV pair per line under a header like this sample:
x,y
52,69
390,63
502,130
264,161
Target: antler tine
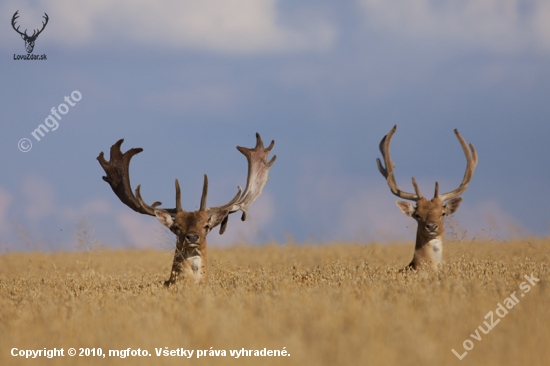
x,y
204,193
226,209
387,158
13,19
178,197
416,188
43,24
118,177
388,172
268,149
144,207
471,163
258,174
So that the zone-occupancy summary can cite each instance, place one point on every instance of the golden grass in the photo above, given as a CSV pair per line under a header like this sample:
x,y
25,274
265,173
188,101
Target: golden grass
x,y
338,304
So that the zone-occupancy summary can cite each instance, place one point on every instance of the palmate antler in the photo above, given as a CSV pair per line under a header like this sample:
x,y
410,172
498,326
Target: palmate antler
x,y
258,171
388,173
118,177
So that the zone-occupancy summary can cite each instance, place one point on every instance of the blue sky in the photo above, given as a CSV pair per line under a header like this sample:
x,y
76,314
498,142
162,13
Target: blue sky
x,y
188,81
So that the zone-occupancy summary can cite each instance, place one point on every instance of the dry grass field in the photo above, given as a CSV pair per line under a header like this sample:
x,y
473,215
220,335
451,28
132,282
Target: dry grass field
x,y
338,304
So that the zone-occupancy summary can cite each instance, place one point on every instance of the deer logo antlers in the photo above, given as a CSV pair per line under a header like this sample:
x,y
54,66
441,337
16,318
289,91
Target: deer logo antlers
x,y
29,40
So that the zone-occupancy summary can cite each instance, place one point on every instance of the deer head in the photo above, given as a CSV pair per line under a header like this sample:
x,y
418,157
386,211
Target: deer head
x,y
191,228
29,40
429,214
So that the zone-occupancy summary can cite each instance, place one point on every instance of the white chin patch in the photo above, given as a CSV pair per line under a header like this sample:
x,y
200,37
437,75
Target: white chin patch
x,y
195,263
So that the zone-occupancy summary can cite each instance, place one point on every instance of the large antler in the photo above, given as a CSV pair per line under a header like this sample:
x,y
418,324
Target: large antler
x,y
471,159
388,173
258,174
118,177
471,163
34,34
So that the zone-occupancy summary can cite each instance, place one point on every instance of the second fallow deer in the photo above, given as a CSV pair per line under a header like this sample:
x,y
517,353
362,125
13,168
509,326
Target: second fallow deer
x,y
191,228
429,214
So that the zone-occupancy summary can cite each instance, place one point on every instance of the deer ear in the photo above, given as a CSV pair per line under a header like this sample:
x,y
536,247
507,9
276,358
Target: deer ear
x,y
406,207
452,205
164,217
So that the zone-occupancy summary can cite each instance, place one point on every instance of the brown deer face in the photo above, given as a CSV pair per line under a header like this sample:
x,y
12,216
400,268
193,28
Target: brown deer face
x,y
430,215
191,228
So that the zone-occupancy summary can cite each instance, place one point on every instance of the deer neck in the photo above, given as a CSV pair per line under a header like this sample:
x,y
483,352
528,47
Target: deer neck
x,y
196,261
190,263
428,251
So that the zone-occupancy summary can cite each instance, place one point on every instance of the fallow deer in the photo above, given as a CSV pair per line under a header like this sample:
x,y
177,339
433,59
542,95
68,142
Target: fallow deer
x,y
429,214
191,228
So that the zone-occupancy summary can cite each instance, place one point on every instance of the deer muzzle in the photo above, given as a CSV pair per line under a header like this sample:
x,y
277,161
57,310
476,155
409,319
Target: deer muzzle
x,y
192,238
432,227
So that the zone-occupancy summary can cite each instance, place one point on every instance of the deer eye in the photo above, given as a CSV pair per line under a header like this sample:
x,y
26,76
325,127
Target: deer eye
x,y
443,214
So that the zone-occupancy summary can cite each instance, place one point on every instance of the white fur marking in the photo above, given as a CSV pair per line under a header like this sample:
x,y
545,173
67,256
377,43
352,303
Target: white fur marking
x,y
437,249
195,263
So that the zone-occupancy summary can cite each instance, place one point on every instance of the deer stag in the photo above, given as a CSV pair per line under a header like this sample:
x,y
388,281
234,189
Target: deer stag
x,y
191,228
430,214
29,40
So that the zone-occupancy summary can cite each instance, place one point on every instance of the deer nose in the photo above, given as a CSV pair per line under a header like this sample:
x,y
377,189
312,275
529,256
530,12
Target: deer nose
x,y
192,237
432,226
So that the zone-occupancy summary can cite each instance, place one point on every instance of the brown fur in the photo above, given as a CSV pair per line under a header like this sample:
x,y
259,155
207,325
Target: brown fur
x,y
430,216
188,250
